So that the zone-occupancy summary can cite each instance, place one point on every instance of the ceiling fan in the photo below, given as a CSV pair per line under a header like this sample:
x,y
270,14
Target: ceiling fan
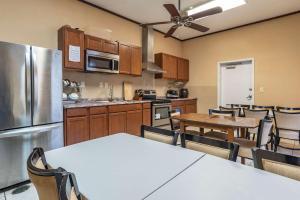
x,y
184,20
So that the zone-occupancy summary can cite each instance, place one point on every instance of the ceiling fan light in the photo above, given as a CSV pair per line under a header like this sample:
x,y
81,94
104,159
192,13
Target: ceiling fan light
x,y
224,4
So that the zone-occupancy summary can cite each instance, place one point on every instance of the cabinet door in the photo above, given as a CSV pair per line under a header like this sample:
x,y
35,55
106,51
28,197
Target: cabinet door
x,y
182,69
117,122
71,37
136,61
98,126
170,66
92,43
77,129
182,108
191,108
147,117
125,59
134,122
110,46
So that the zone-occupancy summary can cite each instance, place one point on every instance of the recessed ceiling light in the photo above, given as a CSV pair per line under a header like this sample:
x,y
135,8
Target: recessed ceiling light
x,y
224,4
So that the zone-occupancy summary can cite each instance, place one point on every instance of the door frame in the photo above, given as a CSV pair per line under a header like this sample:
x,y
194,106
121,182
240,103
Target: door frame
x,y
219,76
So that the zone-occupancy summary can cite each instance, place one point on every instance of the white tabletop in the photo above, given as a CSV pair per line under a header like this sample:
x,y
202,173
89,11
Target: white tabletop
x,y
213,178
122,166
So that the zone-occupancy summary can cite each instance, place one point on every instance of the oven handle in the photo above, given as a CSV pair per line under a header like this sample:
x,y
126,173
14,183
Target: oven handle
x,y
161,105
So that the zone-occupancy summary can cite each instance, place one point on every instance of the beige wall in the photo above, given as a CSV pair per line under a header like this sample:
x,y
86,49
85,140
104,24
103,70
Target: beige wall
x,y
275,47
36,22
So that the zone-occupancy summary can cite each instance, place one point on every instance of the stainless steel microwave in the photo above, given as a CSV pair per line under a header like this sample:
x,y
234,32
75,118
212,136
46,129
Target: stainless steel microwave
x,y
102,62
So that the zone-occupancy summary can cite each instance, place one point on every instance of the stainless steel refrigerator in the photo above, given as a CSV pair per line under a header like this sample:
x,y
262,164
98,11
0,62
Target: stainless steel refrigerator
x,y
31,112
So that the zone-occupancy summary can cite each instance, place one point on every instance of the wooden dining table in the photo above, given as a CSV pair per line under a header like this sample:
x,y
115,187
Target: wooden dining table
x,y
216,122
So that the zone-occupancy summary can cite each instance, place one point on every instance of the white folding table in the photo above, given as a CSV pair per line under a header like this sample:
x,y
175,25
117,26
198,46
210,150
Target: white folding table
x,y
213,178
122,166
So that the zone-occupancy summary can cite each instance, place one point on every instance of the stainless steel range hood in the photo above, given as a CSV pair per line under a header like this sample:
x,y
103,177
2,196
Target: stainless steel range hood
x,y
148,53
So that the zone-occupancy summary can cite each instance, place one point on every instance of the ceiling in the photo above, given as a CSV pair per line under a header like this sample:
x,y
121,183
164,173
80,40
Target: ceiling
x,y
147,11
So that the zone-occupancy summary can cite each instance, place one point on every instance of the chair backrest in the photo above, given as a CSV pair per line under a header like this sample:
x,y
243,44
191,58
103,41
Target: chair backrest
x,y
51,184
240,106
269,108
175,124
287,109
158,134
287,121
258,114
229,113
284,165
237,111
264,130
214,147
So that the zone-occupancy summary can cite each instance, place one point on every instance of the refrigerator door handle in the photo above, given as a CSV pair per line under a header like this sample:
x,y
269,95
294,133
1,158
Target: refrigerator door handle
x,y
35,82
28,83
29,130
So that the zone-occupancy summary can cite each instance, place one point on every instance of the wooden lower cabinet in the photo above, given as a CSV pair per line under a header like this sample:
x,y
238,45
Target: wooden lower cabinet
x,y
117,122
181,108
185,106
147,117
77,129
98,126
191,108
134,122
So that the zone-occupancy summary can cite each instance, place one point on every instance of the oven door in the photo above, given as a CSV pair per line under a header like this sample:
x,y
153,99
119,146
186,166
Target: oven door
x,y
102,62
160,114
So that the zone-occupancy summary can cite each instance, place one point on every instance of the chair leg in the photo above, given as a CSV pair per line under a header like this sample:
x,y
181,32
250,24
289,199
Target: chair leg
x,y
253,137
243,160
267,148
276,143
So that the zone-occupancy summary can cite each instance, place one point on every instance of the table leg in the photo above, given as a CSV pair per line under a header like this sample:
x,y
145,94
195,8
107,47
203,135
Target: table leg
x,y
201,131
182,127
230,134
243,132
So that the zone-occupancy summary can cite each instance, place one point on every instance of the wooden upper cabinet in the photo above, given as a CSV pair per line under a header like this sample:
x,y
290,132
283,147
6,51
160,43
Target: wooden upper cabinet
x,y
182,69
169,64
110,46
68,37
99,44
92,43
125,59
136,61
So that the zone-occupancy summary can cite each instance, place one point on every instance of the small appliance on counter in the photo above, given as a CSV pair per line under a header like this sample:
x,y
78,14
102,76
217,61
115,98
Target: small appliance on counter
x,y
183,93
172,94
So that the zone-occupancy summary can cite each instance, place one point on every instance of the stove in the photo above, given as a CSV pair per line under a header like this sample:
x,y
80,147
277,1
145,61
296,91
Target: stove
x,y
160,107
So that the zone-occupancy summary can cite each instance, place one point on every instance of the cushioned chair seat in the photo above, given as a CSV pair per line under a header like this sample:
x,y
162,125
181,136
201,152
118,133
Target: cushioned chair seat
x,y
216,135
158,137
245,147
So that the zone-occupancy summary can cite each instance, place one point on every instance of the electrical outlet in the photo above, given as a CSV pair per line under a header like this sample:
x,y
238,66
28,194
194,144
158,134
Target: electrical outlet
x,y
261,89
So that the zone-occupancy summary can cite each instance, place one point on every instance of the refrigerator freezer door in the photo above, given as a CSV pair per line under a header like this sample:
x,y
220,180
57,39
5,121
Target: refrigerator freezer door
x,y
15,86
16,145
47,86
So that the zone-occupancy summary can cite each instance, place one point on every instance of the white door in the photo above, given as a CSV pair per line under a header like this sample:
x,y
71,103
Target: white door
x,y
236,83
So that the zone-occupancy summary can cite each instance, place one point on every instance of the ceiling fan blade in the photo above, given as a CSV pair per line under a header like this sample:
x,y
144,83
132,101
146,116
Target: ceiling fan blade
x,y
198,27
156,23
172,10
205,13
171,31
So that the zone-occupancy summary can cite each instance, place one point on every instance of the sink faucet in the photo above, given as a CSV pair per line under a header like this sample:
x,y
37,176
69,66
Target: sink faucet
x,y
111,91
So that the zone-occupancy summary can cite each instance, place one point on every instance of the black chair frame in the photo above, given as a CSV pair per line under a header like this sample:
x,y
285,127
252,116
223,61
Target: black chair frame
x,y
165,132
60,174
212,111
233,147
173,127
260,131
231,109
279,108
259,154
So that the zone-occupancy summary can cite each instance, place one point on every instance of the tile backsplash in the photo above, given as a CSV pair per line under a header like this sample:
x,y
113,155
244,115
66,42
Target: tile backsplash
x,y
95,84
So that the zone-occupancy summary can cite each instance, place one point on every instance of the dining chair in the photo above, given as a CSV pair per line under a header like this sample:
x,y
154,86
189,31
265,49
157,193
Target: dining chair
x,y
218,134
242,107
281,164
287,109
51,184
257,114
175,124
211,146
264,137
287,127
269,108
159,135
237,111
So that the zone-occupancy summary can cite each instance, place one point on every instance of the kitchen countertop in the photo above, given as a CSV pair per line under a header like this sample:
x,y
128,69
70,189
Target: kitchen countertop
x,y
103,103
